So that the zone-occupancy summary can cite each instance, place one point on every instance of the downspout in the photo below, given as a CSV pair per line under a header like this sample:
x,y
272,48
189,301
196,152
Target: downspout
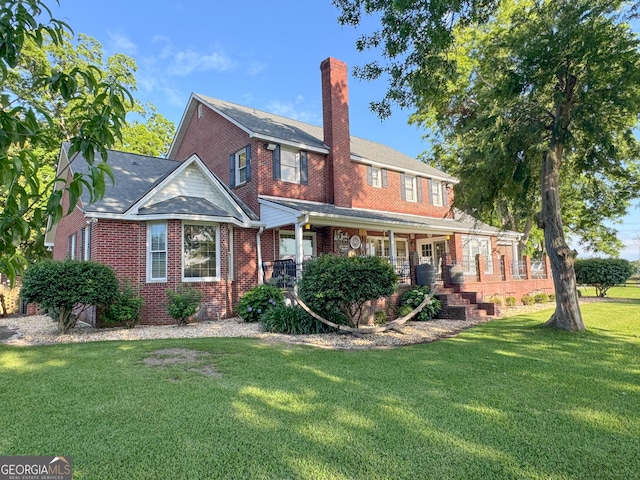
x,y
259,250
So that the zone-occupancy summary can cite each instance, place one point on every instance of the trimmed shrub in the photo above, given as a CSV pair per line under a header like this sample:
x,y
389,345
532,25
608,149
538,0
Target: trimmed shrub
x,y
337,288
414,297
497,301
65,288
541,298
126,307
183,303
258,301
527,300
603,273
380,317
510,301
293,320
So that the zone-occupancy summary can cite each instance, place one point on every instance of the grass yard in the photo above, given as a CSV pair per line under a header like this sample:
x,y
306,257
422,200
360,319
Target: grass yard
x,y
630,291
505,400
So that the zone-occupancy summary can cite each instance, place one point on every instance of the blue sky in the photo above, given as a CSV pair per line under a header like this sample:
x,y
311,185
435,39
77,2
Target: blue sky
x,y
262,54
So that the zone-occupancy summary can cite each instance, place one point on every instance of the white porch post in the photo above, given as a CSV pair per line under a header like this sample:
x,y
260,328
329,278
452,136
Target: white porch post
x,y
515,259
299,247
392,247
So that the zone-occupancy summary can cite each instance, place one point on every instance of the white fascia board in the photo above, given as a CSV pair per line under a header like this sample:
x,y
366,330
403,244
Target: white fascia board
x,y
277,206
301,146
373,163
174,216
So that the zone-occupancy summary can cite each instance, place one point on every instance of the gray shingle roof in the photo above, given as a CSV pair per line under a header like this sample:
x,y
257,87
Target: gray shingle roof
x,y
186,206
134,176
287,129
462,222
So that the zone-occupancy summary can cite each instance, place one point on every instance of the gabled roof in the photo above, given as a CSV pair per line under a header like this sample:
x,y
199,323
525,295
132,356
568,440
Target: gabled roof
x,y
144,186
275,128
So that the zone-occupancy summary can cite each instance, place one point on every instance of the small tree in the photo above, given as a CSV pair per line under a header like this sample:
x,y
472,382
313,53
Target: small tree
x,y
183,303
603,273
65,288
337,288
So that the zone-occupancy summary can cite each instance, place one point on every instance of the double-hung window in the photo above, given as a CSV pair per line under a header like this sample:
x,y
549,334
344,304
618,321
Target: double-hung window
x,y
290,165
436,193
240,167
200,258
157,252
409,188
473,246
71,246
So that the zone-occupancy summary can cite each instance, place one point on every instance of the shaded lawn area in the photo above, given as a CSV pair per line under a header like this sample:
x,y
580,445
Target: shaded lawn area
x,y
505,400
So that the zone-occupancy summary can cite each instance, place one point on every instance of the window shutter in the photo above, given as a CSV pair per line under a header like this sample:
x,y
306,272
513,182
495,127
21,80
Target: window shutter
x,y
445,200
369,175
304,168
429,191
385,180
232,170
419,189
403,193
248,150
276,163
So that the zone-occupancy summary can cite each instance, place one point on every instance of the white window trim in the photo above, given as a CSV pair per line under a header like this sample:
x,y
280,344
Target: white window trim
x,y
314,241
72,246
201,279
488,270
150,279
371,248
414,188
376,181
236,162
432,241
199,110
297,166
86,243
436,193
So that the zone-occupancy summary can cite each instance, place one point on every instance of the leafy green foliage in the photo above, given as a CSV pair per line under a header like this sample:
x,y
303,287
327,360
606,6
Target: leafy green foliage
x,y
510,301
65,287
603,273
337,288
126,307
258,301
292,320
541,298
183,303
527,300
380,317
414,298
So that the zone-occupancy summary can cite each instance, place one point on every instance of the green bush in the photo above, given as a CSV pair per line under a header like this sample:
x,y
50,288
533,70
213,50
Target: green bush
x,y
510,301
527,300
259,300
541,298
293,320
183,303
404,310
497,301
337,288
552,297
65,288
380,317
603,273
126,307
414,297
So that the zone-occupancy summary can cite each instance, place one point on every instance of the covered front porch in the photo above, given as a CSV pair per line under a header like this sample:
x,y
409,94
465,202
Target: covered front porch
x,y
463,252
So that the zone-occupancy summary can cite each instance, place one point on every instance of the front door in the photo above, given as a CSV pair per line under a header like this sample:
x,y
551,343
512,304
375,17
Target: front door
x,y
439,250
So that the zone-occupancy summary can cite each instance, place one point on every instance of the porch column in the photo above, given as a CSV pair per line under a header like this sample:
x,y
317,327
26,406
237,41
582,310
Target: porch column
x,y
515,259
299,248
392,247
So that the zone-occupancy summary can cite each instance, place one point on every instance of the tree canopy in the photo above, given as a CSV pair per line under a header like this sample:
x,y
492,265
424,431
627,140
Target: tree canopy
x,y
527,100
55,88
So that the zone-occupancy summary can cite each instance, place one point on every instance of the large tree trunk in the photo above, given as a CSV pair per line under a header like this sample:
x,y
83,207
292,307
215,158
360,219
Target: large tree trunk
x,y
567,315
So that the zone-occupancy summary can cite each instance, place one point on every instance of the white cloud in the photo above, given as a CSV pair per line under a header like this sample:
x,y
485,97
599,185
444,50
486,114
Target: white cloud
x,y
188,61
256,68
296,109
122,44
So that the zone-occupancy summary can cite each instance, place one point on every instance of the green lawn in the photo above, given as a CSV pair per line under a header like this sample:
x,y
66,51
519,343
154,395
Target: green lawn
x,y
630,291
505,400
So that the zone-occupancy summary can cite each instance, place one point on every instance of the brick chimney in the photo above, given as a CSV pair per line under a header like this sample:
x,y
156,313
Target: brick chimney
x,y
335,117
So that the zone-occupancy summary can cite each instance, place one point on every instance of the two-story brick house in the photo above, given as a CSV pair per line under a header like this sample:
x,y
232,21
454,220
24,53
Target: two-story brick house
x,y
245,195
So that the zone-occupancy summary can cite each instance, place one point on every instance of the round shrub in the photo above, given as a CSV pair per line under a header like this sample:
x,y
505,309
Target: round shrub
x,y
337,288
510,301
126,307
414,297
292,320
380,317
541,298
527,300
259,300
404,310
603,273
183,303
65,287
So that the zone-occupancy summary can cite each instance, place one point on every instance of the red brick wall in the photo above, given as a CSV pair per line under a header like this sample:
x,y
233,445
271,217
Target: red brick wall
x,y
71,224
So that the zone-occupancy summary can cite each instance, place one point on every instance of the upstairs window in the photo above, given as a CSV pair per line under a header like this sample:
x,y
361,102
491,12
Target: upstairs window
x,y
438,193
71,246
240,167
290,165
411,188
376,177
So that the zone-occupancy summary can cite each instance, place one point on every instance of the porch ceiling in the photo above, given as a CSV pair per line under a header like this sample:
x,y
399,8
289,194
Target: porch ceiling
x,y
322,214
